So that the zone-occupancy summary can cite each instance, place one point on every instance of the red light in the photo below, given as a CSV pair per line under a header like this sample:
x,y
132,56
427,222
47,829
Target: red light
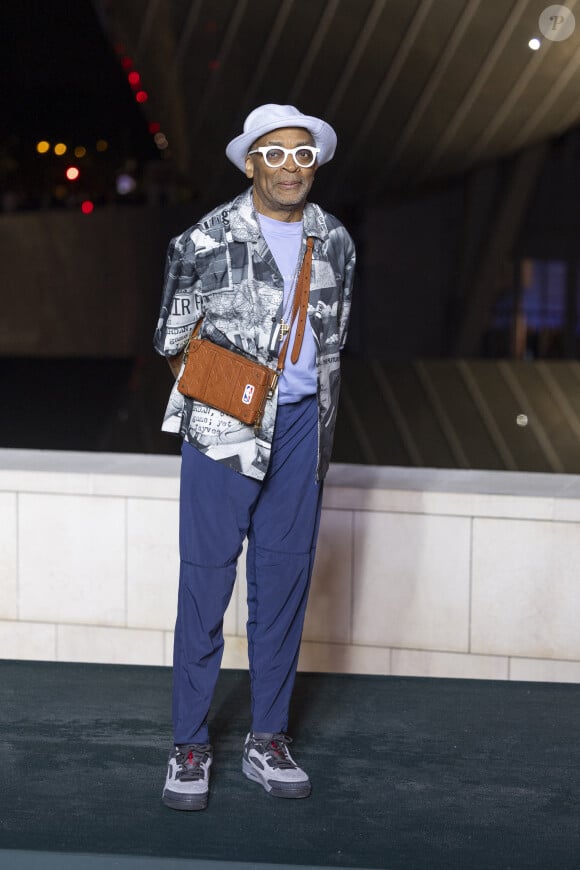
x,y
87,206
154,127
72,173
141,96
126,62
134,78
213,65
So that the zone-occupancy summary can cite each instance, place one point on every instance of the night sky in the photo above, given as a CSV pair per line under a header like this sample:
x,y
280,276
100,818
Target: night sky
x,y
61,80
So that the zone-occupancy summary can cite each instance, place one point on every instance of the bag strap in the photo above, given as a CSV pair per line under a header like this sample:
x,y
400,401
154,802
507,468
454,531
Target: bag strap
x,y
192,335
299,309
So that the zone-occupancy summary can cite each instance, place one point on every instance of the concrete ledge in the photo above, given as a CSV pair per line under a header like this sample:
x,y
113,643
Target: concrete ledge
x,y
419,571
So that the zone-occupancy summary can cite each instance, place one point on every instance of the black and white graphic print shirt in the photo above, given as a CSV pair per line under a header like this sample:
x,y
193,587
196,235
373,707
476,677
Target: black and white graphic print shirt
x,y
221,269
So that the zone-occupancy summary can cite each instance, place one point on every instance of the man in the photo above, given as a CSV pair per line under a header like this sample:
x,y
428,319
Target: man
x,y
237,269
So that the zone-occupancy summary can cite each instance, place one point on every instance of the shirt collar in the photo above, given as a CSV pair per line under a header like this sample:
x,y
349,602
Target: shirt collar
x,y
244,221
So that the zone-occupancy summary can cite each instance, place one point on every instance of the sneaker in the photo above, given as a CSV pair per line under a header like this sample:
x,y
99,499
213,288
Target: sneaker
x,y
267,760
187,783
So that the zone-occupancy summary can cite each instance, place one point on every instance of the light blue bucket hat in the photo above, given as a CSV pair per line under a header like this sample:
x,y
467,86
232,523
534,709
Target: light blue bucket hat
x,y
272,116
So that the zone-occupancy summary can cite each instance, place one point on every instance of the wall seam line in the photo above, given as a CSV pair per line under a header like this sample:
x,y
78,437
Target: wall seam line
x,y
126,571
470,590
352,576
17,557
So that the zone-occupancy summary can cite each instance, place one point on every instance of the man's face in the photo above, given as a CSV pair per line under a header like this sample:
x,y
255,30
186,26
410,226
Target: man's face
x,y
281,193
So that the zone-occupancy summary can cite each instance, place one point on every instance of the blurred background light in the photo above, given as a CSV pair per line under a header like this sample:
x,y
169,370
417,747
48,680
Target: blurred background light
x,y
125,184
72,173
87,206
160,140
141,96
77,91
534,44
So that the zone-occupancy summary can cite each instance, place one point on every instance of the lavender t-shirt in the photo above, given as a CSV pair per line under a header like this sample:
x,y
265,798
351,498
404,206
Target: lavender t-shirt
x,y
284,240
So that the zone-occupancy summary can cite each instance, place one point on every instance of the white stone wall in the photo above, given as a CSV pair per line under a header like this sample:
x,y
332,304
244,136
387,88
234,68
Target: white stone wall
x,y
419,572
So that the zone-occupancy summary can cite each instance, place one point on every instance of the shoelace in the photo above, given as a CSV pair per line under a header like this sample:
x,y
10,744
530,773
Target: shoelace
x,y
276,750
189,760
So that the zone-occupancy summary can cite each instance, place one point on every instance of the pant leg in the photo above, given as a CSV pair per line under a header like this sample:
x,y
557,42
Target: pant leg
x,y
281,548
215,506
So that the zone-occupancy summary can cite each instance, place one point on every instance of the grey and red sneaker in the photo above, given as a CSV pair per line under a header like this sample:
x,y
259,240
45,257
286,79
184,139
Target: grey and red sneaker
x,y
187,783
267,760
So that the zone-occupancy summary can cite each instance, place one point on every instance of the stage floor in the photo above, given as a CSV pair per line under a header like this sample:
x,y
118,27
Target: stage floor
x,y
420,774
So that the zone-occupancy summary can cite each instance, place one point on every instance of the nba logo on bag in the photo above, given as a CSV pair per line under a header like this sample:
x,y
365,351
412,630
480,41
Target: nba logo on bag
x,y
248,394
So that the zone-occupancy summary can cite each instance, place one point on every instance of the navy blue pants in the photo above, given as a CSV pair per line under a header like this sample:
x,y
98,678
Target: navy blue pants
x,y
280,516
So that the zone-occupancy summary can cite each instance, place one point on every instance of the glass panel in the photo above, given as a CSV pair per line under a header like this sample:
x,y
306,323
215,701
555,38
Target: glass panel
x,y
531,324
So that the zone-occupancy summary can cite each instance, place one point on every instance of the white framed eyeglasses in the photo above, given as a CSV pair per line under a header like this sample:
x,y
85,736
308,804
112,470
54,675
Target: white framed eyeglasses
x,y
275,155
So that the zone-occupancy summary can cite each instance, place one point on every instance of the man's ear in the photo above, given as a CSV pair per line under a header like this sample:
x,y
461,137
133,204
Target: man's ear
x,y
249,167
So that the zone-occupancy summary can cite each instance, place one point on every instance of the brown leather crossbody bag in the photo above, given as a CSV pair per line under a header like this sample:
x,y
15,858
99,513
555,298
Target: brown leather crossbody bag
x,y
232,383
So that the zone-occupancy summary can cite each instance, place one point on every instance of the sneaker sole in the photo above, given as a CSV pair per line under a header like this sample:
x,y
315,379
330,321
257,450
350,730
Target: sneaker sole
x,y
277,789
189,803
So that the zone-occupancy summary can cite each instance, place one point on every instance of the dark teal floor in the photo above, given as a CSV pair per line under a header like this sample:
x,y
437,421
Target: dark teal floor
x,y
421,774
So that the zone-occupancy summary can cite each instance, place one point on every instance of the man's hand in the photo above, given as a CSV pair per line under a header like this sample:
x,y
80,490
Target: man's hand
x,y
174,363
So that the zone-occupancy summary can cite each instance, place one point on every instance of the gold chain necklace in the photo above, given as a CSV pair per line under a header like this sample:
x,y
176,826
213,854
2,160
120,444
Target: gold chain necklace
x,y
284,324
284,320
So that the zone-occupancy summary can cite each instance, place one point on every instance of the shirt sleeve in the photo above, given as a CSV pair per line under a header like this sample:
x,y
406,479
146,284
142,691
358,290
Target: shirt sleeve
x,y
350,262
181,302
